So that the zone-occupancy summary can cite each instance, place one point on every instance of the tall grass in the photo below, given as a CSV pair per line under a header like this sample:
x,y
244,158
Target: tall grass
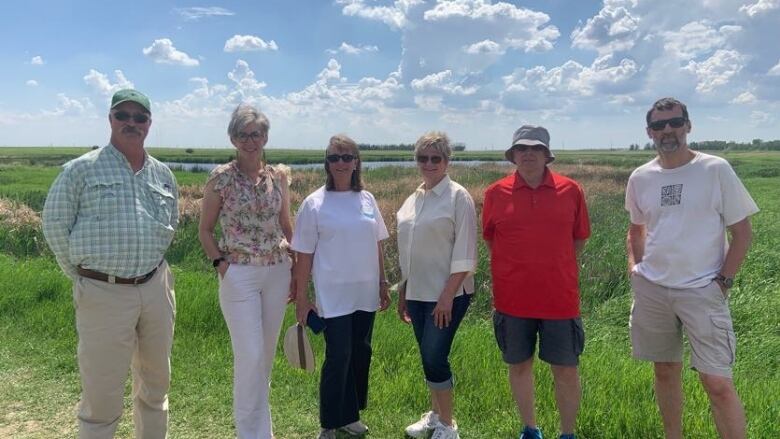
x,y
38,373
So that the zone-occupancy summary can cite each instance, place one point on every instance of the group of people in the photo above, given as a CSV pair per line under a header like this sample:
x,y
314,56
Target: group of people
x,y
112,213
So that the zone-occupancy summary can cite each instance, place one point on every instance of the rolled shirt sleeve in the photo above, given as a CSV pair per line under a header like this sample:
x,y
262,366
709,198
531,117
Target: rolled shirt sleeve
x,y
464,249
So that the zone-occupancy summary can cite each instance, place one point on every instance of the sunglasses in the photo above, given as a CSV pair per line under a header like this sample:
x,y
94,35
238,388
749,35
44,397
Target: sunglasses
x,y
244,137
675,122
435,159
124,116
524,148
346,158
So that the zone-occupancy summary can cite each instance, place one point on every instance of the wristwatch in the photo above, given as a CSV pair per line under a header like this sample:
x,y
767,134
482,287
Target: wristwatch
x,y
215,262
727,282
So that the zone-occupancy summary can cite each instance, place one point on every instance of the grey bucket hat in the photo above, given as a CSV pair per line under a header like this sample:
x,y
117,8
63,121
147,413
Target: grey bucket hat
x,y
531,135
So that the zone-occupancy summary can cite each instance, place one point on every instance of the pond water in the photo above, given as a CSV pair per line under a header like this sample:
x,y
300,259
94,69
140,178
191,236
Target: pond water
x,y
207,167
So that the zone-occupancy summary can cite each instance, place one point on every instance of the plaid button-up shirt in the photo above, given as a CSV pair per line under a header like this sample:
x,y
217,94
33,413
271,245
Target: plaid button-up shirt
x,y
101,216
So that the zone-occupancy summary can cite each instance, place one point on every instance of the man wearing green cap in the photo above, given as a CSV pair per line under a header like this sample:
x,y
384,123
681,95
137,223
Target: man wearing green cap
x,y
109,218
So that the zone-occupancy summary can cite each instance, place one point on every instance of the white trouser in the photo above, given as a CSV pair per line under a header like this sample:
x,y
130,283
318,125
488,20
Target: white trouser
x,y
253,299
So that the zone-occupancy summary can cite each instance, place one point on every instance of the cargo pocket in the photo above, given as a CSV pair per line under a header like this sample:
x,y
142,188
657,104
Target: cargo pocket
x,y
578,336
723,338
499,330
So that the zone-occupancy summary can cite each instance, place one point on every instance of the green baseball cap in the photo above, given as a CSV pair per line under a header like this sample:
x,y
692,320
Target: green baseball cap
x,y
130,95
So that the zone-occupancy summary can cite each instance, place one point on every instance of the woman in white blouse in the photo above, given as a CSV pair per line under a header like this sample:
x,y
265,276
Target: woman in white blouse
x,y
338,239
437,247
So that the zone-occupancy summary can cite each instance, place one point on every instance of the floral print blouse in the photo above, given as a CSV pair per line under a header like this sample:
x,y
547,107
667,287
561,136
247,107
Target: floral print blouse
x,y
249,218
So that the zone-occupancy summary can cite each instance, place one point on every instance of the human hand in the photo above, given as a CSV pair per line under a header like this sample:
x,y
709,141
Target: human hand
x,y
384,297
302,308
402,314
222,268
442,313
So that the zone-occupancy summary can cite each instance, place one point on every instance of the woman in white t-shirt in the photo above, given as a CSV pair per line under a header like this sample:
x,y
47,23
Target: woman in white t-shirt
x,y
337,238
437,252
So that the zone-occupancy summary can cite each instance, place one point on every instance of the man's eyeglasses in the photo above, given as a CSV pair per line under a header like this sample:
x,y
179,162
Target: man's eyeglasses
x,y
524,148
675,122
346,158
244,137
124,116
435,159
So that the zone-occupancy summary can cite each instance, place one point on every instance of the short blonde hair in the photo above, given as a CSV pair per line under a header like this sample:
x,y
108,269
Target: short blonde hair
x,y
342,143
244,115
436,140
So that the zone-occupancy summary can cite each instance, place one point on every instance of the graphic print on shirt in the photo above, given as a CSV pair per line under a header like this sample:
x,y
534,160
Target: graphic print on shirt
x,y
671,195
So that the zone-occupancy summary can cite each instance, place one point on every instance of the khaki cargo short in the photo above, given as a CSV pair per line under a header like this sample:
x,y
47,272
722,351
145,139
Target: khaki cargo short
x,y
660,314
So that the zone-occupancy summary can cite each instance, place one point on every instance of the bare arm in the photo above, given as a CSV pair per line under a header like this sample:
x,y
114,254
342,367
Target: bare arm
x,y
579,245
635,245
741,237
301,274
285,220
209,213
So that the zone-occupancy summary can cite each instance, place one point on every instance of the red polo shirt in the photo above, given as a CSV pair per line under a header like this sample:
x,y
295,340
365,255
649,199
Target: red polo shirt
x,y
531,234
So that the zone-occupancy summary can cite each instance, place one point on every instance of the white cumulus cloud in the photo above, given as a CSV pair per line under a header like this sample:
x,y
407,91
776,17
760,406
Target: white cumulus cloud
x,y
717,70
774,71
484,47
394,16
248,43
100,83
31,83
197,12
698,38
443,82
613,29
349,49
760,7
37,60
744,98
162,51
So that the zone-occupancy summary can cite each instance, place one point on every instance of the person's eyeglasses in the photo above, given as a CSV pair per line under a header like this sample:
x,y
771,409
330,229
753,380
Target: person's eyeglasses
x,y
124,116
435,159
524,148
244,137
675,122
346,158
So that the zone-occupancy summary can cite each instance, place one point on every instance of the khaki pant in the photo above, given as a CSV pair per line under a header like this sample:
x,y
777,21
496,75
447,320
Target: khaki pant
x,y
123,327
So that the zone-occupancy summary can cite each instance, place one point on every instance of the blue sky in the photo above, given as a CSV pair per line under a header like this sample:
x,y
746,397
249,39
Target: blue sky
x,y
386,71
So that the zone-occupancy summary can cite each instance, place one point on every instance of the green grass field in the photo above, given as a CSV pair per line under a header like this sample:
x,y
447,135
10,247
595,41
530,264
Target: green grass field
x,y
39,385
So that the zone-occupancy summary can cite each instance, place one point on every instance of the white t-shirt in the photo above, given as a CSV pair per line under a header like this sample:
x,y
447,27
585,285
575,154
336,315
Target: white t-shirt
x,y
341,229
686,211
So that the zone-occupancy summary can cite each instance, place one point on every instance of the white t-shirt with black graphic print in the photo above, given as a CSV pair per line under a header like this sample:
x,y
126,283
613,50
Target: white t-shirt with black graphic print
x,y
686,211
342,230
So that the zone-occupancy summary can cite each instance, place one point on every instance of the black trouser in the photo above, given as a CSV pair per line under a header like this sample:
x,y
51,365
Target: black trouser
x,y
344,379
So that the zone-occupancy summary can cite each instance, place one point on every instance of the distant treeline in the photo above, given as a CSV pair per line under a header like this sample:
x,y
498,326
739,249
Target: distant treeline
x,y
401,147
722,145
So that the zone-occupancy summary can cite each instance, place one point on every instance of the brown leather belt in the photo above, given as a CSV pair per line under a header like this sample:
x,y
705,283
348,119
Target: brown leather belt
x,y
114,279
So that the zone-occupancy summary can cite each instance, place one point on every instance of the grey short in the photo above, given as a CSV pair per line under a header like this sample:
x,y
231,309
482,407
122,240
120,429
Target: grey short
x,y
659,315
560,341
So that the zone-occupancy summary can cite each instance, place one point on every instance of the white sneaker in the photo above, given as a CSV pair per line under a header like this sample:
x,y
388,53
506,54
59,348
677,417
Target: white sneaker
x,y
356,428
420,429
327,434
445,432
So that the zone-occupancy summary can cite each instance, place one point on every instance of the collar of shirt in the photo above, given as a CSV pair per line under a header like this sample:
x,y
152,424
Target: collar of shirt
x,y
119,156
439,188
547,180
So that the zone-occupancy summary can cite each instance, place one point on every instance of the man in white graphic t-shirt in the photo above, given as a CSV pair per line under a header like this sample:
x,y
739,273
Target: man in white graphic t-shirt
x,y
681,204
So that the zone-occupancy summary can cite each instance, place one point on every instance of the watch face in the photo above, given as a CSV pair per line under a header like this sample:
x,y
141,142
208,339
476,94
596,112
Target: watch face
x,y
728,282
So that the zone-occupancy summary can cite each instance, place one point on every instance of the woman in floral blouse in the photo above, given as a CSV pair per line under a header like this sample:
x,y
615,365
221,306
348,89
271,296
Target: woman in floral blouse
x,y
252,202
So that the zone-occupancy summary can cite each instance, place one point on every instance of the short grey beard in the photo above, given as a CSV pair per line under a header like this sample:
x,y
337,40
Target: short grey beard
x,y
668,147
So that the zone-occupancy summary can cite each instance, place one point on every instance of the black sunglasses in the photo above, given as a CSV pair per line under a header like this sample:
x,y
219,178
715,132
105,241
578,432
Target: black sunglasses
x,y
346,158
435,159
124,116
675,122
524,148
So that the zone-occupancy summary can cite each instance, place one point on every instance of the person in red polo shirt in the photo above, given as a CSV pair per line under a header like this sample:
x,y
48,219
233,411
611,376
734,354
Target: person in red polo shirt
x,y
535,223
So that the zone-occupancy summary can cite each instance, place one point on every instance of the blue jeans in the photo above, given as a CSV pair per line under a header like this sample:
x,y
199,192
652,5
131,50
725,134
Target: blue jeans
x,y
435,343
